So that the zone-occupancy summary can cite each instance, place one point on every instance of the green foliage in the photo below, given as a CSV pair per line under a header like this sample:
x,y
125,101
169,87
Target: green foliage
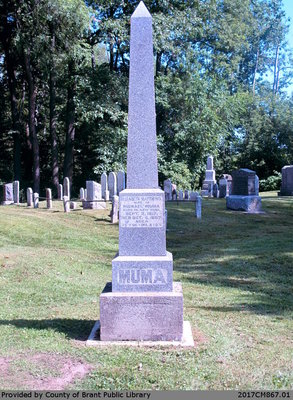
x,y
273,182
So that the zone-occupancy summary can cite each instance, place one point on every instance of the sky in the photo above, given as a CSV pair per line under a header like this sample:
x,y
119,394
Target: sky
x,y
288,7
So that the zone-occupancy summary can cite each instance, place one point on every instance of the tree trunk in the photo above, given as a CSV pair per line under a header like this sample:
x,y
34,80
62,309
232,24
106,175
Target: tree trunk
x,y
255,72
276,67
70,122
32,96
53,134
11,65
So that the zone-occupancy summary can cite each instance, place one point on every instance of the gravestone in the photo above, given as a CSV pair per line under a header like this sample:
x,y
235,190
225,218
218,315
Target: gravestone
x,y
94,196
223,188
287,181
120,181
168,189
198,202
142,303
112,185
210,178
36,200
81,194
215,190
104,185
174,195
60,191
229,183
16,192
180,195
186,195
114,211
66,187
29,197
107,195
66,204
8,197
73,205
193,196
244,195
49,198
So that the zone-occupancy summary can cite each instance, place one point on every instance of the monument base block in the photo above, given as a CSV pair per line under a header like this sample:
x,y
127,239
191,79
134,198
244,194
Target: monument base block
x,y
7,203
244,203
92,205
148,316
285,193
142,273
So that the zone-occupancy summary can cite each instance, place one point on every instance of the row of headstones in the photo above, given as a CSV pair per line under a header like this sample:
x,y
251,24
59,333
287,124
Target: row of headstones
x,y
171,193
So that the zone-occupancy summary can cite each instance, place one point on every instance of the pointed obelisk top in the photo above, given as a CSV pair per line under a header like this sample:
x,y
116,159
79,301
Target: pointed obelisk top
x,y
142,164
141,11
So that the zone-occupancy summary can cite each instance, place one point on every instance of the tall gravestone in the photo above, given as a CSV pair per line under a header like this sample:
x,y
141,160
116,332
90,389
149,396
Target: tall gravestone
x,y
8,197
223,188
143,302
29,197
120,181
210,178
104,184
244,195
168,189
49,198
60,191
112,185
16,192
66,187
287,181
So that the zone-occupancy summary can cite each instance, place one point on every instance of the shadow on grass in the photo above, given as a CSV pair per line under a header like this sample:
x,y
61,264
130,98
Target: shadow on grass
x,y
250,253
76,329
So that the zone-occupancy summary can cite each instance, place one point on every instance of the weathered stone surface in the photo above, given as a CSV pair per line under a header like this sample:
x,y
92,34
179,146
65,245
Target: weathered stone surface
x,y
29,197
49,198
250,204
141,222
193,196
186,195
215,190
81,194
142,273
73,205
198,202
107,195
112,185
36,200
60,191
104,185
168,189
256,185
210,178
114,211
16,192
180,195
94,196
229,182
141,315
66,187
120,181
243,183
166,219
287,181
223,188
142,167
66,204
8,197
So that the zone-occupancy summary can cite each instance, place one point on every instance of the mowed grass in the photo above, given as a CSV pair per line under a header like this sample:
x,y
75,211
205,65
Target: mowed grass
x,y
237,275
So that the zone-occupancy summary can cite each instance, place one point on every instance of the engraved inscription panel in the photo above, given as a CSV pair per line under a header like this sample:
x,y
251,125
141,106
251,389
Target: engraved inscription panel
x,y
141,211
143,277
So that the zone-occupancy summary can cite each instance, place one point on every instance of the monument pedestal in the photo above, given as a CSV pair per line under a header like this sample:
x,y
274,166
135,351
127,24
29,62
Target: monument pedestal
x,y
244,203
141,315
93,205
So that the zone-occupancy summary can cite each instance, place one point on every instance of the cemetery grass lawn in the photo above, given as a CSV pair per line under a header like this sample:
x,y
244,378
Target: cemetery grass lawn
x,y
237,275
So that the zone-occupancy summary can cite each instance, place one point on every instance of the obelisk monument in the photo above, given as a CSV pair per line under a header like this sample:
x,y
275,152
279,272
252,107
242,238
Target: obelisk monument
x,y
142,302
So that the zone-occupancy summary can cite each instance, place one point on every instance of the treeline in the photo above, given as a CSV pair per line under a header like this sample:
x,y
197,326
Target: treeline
x,y
64,88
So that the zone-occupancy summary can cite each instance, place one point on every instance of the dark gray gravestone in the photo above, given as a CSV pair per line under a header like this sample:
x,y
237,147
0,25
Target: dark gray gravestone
x,y
287,181
244,195
142,272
